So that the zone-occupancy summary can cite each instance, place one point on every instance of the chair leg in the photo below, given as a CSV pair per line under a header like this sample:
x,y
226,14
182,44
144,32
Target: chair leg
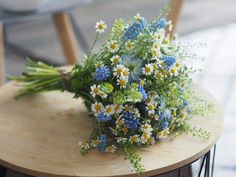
x,y
176,6
2,63
3,171
66,34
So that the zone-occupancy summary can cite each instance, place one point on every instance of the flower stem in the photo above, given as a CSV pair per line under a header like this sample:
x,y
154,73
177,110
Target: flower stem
x,y
96,38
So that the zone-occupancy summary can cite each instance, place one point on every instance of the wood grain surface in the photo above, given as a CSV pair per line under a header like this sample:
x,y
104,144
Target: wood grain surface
x,y
39,136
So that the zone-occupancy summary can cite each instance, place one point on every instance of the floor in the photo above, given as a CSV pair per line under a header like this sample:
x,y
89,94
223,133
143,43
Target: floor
x,y
209,21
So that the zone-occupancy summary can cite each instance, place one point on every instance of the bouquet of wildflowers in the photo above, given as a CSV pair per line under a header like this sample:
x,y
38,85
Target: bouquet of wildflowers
x,y
137,87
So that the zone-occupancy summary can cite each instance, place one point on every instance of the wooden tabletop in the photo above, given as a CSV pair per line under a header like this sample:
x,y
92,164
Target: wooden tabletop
x,y
39,136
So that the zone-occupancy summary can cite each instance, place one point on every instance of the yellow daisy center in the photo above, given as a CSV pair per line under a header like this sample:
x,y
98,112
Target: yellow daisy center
x,y
173,71
120,122
177,65
116,60
134,139
113,46
96,90
108,110
98,107
145,136
100,26
125,73
122,82
129,45
117,107
151,107
148,69
119,70
125,129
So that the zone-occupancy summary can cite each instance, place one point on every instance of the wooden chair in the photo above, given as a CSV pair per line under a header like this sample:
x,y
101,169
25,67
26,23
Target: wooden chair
x,y
176,6
67,36
65,33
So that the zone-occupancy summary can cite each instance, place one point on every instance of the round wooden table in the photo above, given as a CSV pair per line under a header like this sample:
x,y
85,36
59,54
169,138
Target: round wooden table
x,y
39,136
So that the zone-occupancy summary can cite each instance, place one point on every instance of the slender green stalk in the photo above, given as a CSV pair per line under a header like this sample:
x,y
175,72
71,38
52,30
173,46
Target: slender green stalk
x,y
96,38
39,77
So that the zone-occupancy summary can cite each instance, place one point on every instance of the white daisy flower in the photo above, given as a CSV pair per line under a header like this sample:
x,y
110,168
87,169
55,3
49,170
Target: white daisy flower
x,y
129,108
109,110
122,82
97,108
101,26
111,149
136,112
121,140
119,123
113,131
148,69
134,139
149,101
174,71
129,45
113,46
118,70
146,128
115,60
151,109
163,134
83,144
159,36
155,52
95,143
125,73
142,82
145,137
118,108
95,90
138,17
99,64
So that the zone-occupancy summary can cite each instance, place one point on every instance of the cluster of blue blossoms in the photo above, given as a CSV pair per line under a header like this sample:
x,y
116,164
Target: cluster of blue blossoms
x,y
102,73
103,142
143,92
169,60
133,30
131,121
157,25
102,117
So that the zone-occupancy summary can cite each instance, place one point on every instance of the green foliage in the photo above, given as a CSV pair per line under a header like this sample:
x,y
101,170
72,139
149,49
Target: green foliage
x,y
107,88
117,30
130,94
135,160
82,78
40,77
194,131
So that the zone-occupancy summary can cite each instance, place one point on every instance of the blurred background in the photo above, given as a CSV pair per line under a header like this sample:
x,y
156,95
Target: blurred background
x,y
210,21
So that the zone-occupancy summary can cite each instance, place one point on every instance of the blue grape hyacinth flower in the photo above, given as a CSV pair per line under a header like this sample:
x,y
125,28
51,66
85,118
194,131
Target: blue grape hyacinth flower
x,y
102,73
103,143
133,30
131,121
169,60
102,117
157,25
143,92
